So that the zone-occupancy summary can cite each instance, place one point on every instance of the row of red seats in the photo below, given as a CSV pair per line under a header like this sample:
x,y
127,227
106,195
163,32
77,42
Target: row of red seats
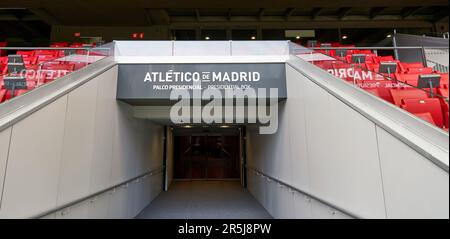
x,y
36,79
413,100
42,76
42,66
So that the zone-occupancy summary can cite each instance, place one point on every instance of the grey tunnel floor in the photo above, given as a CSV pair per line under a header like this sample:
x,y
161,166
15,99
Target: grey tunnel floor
x,y
205,199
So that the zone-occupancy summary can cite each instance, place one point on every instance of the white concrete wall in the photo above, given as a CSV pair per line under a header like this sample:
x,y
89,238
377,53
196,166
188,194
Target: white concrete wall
x,y
80,144
329,150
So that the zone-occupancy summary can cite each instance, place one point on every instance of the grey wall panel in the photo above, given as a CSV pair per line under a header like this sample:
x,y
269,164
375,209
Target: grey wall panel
x,y
285,202
143,200
4,147
137,145
250,181
297,130
98,206
279,158
261,189
343,155
104,131
269,193
31,181
169,156
302,206
79,144
136,197
123,202
131,199
154,147
77,211
156,187
125,141
117,207
322,211
147,184
414,186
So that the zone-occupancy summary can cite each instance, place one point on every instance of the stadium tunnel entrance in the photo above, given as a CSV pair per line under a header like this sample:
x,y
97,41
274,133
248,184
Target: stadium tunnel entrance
x,y
205,175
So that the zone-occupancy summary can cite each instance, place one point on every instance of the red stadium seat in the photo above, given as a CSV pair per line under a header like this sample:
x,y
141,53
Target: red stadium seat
x,y
398,95
367,52
380,93
378,59
413,79
76,45
2,95
79,65
420,106
51,75
45,58
410,79
4,60
379,88
446,116
324,64
45,53
25,53
443,91
3,69
375,67
404,66
59,44
420,70
340,65
29,60
56,67
369,58
444,79
16,93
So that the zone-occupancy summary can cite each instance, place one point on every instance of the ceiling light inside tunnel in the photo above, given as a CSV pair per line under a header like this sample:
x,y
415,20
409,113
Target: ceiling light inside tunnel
x,y
344,37
188,126
297,37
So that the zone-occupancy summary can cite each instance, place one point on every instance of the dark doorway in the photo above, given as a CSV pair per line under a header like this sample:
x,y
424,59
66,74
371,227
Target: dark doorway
x,y
206,156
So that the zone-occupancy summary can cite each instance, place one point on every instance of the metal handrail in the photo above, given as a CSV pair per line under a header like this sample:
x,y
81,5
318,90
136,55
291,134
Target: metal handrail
x,y
308,194
74,202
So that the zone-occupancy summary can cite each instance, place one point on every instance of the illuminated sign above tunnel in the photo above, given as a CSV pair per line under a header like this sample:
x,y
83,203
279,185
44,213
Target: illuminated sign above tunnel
x,y
152,84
